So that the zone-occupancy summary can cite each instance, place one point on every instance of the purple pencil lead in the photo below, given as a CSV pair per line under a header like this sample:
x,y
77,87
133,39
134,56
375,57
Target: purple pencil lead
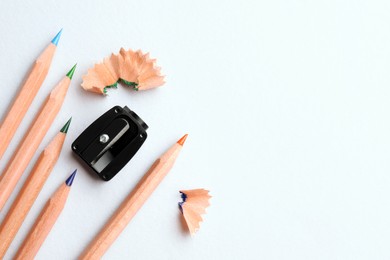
x,y
70,179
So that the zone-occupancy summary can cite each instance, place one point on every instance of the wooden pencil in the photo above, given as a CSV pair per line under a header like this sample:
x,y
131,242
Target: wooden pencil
x,y
133,203
30,190
33,138
27,93
45,221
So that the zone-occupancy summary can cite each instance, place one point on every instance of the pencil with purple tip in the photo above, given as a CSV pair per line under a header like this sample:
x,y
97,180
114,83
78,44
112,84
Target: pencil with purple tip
x,y
27,93
46,220
30,190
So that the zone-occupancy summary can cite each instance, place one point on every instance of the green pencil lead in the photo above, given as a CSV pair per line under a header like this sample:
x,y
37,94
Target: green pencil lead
x,y
65,128
129,83
71,72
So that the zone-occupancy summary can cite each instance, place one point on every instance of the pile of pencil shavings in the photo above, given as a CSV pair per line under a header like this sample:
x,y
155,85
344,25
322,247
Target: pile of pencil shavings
x,y
132,68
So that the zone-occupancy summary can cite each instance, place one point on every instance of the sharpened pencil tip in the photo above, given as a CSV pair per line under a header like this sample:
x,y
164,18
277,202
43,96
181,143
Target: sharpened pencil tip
x,y
65,128
70,179
56,39
182,140
71,72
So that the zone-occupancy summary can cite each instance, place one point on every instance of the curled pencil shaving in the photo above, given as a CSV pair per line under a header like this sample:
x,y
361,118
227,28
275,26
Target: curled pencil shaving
x,y
194,205
133,68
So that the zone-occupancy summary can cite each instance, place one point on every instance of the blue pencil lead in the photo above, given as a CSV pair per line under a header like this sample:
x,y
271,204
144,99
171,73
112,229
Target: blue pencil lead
x,y
70,179
57,38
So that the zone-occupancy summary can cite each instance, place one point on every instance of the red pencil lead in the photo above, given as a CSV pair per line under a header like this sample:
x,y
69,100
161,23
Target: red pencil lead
x,y
182,140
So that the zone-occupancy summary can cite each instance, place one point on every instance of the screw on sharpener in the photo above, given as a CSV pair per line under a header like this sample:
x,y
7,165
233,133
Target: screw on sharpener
x,y
110,142
104,138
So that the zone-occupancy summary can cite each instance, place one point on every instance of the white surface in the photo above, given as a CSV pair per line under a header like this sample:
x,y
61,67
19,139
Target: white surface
x,y
287,108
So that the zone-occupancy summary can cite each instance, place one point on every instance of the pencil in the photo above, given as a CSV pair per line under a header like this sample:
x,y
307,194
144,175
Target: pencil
x,y
30,190
33,138
45,221
27,93
133,203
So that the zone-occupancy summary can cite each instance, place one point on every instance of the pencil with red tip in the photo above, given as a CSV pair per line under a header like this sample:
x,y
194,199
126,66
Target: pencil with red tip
x,y
133,202
33,138
27,93
46,220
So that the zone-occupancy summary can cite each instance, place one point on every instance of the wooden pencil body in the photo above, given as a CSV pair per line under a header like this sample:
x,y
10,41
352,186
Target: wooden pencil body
x,y
31,141
43,224
25,97
131,205
29,192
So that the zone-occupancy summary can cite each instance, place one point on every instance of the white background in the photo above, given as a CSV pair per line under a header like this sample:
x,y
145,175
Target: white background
x,y
286,104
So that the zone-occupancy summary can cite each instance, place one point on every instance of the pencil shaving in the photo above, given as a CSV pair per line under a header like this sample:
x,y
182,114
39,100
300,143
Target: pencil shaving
x,y
132,68
194,205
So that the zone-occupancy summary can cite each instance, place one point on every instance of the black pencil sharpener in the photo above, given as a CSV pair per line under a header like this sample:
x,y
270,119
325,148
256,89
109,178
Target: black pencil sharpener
x,y
110,142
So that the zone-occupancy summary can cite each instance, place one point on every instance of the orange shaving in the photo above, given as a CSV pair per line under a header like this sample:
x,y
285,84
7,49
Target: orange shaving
x,y
193,206
133,68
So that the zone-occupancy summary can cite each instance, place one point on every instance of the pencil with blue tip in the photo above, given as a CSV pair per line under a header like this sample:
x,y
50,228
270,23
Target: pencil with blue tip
x,y
45,222
27,93
30,190
26,149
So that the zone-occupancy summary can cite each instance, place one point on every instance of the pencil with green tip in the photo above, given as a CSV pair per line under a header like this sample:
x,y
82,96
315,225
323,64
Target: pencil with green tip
x,y
33,138
30,190
27,93
46,220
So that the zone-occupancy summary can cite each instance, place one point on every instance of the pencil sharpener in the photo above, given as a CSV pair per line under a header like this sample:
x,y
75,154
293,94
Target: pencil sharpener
x,y
110,142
